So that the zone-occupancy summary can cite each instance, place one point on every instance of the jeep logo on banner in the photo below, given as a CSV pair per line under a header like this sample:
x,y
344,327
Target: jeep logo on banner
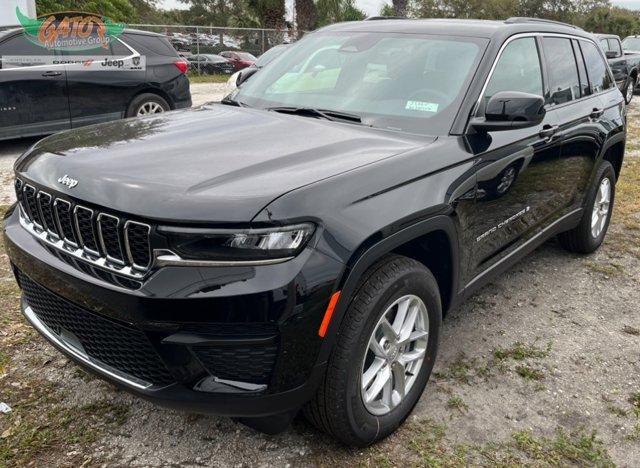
x,y
71,31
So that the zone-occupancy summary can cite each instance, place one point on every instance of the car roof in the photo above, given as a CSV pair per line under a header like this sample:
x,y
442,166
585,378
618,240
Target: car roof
x,y
607,36
489,29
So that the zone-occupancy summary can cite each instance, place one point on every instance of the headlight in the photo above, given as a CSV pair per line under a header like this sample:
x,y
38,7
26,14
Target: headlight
x,y
238,245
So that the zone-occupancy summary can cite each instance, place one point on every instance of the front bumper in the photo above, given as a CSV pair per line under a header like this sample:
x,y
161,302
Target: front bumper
x,y
239,341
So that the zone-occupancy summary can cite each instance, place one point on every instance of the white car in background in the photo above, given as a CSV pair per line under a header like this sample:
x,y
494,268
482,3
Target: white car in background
x,y
263,60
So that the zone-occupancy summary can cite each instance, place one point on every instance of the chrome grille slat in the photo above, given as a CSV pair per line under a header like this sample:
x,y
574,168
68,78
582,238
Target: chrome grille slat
x,y
109,235
64,218
85,230
45,203
137,244
100,239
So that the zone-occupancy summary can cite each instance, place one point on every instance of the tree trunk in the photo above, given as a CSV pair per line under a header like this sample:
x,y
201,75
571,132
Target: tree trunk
x,y
400,7
306,16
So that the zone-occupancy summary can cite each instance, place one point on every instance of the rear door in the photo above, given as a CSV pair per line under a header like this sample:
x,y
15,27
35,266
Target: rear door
x,y
33,90
102,91
517,193
586,121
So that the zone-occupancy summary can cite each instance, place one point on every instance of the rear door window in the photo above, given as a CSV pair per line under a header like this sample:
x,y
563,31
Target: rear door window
x,y
564,82
585,89
19,46
597,69
150,44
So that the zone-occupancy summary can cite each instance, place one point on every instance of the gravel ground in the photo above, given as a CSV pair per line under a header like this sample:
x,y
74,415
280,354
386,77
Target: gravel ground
x,y
541,367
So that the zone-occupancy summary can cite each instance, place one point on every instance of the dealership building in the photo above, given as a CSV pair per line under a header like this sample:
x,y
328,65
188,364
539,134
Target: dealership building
x,y
8,11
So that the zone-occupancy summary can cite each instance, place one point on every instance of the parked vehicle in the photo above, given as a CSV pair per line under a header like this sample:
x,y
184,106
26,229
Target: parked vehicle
x,y
240,60
180,44
297,246
211,64
624,65
263,60
631,44
36,100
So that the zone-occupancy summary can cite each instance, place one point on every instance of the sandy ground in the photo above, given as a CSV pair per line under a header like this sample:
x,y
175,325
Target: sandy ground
x,y
541,367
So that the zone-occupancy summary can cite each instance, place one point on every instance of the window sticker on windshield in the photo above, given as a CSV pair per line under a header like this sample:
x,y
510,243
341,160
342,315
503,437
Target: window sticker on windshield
x,y
421,106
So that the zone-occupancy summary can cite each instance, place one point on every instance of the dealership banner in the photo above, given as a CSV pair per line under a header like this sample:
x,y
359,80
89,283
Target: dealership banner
x,y
70,31
77,63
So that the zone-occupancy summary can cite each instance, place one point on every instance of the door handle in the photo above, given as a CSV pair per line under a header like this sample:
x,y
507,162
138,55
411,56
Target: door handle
x,y
548,131
51,73
596,113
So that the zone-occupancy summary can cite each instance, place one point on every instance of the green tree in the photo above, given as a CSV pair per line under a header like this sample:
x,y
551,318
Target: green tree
x,y
335,11
306,15
618,21
387,10
117,10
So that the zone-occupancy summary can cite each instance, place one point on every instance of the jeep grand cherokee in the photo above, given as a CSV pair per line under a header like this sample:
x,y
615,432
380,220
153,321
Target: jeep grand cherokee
x,y
296,246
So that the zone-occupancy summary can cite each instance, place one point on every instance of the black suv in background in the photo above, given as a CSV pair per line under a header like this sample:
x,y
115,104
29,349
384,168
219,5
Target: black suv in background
x,y
310,265
36,100
624,65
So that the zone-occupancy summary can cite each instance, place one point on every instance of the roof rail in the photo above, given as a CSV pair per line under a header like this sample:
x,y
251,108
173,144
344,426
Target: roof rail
x,y
523,19
378,18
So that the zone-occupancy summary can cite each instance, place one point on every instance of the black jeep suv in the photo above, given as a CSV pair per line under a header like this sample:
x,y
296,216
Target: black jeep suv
x,y
296,246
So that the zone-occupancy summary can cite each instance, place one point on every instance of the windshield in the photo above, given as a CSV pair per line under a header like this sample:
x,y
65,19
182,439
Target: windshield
x,y
631,43
269,55
411,83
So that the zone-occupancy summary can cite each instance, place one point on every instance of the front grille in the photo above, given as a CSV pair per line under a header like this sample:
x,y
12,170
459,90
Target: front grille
x,y
252,364
101,236
120,346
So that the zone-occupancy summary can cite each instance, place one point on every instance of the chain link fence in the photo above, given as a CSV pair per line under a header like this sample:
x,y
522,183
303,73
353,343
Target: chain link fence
x,y
195,40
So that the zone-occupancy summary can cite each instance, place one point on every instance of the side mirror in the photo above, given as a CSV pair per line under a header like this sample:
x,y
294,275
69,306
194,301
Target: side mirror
x,y
508,110
611,54
245,75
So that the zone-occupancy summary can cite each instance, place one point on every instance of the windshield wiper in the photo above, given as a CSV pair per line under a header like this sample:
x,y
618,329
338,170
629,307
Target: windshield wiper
x,y
322,113
229,101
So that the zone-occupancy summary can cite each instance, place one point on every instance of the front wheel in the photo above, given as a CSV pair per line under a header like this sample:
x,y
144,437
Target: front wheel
x,y
590,233
147,104
384,354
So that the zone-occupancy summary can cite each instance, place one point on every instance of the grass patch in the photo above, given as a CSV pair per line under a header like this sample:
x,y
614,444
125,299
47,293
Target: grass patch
x,y
605,269
635,402
40,426
195,78
519,352
529,373
456,402
576,448
459,370
616,410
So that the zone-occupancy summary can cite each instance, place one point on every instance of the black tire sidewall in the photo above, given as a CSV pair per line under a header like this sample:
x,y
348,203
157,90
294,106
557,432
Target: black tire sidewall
x,y
366,426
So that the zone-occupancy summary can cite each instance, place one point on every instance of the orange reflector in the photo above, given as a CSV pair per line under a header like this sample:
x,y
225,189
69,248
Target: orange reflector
x,y
328,314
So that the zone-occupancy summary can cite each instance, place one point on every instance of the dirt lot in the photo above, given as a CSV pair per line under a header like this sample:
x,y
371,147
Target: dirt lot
x,y
542,367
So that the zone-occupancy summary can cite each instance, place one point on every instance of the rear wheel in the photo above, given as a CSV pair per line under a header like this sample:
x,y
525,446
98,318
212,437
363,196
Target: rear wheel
x,y
384,354
630,89
590,233
147,104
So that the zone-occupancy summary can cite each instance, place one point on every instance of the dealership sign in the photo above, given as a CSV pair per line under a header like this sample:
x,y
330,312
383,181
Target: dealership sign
x,y
71,31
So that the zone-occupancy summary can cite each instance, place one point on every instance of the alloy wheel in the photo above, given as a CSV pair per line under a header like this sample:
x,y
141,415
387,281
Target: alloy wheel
x,y
394,355
601,207
150,108
630,90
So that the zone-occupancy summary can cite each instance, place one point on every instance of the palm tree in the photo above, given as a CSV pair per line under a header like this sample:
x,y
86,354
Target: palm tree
x,y
306,15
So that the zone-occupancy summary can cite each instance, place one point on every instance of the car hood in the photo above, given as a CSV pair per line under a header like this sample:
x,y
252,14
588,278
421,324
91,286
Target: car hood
x,y
214,163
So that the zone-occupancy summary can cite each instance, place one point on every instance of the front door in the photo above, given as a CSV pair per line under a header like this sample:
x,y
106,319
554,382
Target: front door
x,y
516,169
33,91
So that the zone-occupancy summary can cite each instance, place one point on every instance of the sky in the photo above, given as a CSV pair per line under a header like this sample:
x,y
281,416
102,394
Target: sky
x,y
372,7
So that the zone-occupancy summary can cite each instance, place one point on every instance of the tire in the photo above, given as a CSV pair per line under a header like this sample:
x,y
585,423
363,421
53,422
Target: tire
x,y
583,239
629,90
149,100
338,407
